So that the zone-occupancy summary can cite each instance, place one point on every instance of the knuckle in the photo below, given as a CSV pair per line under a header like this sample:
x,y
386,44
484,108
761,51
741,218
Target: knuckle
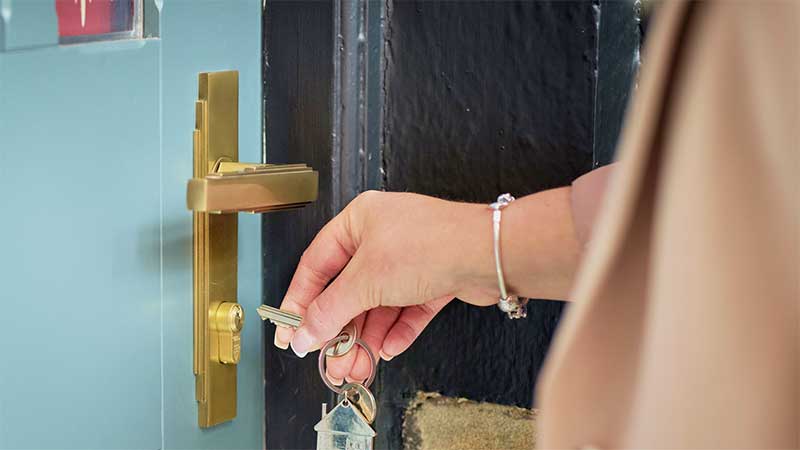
x,y
340,366
423,290
360,370
374,340
292,305
372,297
368,197
315,276
315,318
372,336
356,215
427,309
405,332
337,369
364,201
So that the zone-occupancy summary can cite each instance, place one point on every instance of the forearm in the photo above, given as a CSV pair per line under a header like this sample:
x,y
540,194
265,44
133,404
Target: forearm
x,y
402,257
542,238
539,248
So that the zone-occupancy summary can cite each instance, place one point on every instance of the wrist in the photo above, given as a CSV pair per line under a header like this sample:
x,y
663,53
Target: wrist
x,y
474,271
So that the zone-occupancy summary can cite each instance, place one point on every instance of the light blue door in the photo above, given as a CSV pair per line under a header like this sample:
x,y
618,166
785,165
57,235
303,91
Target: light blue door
x,y
95,239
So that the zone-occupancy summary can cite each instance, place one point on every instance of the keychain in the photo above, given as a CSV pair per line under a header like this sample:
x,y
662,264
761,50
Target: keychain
x,y
347,425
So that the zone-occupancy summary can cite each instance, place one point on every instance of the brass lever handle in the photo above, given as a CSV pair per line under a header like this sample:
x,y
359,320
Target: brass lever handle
x,y
221,185
240,187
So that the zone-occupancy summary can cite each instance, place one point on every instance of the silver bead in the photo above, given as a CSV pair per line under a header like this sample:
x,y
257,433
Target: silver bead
x,y
513,306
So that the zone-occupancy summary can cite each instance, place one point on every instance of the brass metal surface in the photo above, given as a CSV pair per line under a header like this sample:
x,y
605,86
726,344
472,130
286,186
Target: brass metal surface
x,y
252,188
221,185
216,136
226,324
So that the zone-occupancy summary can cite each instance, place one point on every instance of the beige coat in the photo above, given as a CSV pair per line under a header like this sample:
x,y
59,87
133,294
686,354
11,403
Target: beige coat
x,y
684,328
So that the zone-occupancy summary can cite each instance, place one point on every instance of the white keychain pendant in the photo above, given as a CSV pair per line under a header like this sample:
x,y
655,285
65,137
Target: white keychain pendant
x,y
344,428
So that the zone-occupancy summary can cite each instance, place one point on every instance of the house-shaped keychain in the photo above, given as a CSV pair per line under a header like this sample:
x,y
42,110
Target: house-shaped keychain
x,y
344,428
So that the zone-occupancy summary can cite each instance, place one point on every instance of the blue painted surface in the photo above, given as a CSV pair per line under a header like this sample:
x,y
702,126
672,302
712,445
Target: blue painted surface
x,y
95,265
26,24
232,40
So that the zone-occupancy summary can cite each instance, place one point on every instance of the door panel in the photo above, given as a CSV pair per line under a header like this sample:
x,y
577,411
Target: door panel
x,y
80,181
227,37
95,151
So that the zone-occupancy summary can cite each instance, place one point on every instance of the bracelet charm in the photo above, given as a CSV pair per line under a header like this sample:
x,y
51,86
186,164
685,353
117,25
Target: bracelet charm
x,y
514,306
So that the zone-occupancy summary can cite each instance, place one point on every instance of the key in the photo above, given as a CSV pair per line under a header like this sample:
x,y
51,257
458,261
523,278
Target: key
x,y
279,317
361,398
286,319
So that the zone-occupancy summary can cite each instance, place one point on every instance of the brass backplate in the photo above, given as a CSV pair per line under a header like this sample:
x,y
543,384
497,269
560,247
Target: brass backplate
x,y
216,137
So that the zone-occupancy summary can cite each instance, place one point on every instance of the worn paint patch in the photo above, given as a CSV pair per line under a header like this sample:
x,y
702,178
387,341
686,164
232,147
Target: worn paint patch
x,y
433,421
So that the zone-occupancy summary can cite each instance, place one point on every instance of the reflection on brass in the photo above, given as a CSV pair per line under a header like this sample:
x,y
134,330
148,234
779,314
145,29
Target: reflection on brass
x,y
220,185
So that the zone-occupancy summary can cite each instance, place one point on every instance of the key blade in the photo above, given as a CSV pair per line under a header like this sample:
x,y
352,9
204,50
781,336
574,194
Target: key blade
x,y
279,317
263,312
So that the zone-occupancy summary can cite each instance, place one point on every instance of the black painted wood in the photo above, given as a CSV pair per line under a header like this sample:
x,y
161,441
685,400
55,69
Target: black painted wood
x,y
298,69
483,98
618,45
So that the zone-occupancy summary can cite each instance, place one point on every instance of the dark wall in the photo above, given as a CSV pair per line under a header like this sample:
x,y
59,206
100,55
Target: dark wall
x,y
462,100
483,98
298,121
621,30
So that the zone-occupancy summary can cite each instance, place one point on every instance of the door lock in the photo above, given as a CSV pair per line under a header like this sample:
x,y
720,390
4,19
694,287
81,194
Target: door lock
x,y
226,324
221,187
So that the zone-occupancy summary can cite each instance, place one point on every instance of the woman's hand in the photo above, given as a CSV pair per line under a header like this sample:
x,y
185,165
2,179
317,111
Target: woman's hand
x,y
396,259
392,261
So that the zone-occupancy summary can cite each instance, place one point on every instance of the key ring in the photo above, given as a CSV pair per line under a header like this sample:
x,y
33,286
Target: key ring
x,y
351,331
331,343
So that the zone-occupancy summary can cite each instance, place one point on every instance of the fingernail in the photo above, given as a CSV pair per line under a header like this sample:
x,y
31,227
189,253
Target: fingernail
x,y
384,356
281,344
284,336
300,354
302,342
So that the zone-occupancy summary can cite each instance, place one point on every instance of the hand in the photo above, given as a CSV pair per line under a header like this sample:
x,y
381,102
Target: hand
x,y
396,259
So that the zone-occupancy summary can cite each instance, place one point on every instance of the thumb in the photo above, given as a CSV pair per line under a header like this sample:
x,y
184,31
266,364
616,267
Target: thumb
x,y
343,300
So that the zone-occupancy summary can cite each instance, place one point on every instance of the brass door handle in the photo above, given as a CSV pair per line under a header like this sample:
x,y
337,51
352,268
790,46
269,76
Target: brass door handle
x,y
222,186
241,187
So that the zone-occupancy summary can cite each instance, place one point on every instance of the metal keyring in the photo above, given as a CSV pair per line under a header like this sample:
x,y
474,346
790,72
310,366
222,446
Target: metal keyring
x,y
322,357
351,330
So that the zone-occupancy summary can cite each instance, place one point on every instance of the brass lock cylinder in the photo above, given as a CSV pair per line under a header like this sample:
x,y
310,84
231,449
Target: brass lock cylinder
x,y
226,323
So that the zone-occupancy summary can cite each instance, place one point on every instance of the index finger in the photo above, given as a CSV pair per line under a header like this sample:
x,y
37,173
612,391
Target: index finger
x,y
324,258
